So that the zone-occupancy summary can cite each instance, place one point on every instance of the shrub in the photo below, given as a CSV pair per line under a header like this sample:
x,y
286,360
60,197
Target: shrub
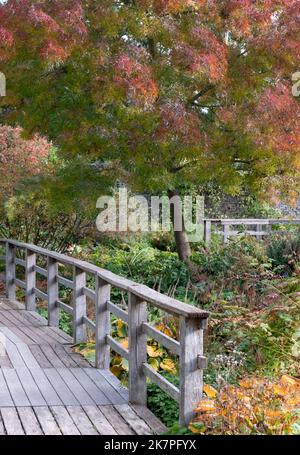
x,y
164,407
255,406
284,252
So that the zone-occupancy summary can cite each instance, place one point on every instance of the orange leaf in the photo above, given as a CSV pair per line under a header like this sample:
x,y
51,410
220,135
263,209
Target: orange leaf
x,y
210,391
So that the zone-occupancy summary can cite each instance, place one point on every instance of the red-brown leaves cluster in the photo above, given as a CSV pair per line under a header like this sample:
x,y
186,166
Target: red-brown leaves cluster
x,y
19,158
136,79
178,124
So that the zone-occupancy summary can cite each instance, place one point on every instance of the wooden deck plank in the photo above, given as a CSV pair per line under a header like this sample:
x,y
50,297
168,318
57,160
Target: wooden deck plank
x,y
40,356
136,423
29,421
64,357
64,421
115,383
62,390
75,387
152,421
81,420
116,420
91,388
15,387
99,420
51,356
2,429
11,421
106,388
5,397
45,387
47,421
31,388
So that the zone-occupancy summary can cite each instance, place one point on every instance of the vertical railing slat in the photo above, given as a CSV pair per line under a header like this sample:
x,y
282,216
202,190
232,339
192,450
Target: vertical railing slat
x,y
10,271
53,310
137,311
30,279
79,306
102,324
191,377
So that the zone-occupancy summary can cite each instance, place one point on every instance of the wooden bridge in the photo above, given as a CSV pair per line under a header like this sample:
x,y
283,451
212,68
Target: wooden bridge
x,y
257,227
46,388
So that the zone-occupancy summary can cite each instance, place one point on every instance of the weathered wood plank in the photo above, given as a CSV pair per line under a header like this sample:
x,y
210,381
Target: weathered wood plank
x,y
29,421
47,421
30,387
191,377
102,324
15,388
111,395
64,421
78,391
11,421
151,420
10,274
62,390
5,397
82,421
99,420
137,311
79,306
30,279
137,424
45,386
116,420
52,291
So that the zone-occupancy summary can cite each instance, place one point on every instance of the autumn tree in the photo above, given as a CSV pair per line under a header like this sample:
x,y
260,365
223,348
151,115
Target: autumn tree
x,y
164,92
20,159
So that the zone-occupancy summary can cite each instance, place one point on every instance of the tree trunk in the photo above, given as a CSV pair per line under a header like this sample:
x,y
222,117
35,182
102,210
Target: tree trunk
x,y
181,238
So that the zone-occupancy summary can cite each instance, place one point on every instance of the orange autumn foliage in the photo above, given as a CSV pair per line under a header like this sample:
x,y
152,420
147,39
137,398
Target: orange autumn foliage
x,y
256,405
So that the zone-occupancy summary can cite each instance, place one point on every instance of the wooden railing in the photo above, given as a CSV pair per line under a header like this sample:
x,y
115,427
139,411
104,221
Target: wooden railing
x,y
253,227
193,321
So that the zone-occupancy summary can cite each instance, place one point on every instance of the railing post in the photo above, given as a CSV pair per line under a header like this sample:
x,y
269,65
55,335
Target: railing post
x,y
53,310
30,279
226,230
258,230
10,271
137,311
191,370
102,324
207,232
79,306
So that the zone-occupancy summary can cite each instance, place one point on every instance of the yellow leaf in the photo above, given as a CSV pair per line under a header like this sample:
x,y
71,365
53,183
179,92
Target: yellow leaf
x,y
154,363
163,328
280,390
168,365
125,343
153,351
121,328
288,380
206,406
210,391
116,370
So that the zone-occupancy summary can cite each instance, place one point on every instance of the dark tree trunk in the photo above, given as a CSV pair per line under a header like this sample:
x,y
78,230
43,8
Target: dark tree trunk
x,y
181,238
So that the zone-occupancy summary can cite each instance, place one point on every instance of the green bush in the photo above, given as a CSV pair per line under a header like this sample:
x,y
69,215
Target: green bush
x,y
164,407
284,252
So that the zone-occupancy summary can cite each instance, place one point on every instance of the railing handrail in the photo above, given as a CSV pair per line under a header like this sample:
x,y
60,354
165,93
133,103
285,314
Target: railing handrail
x,y
192,321
255,220
162,301
258,223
